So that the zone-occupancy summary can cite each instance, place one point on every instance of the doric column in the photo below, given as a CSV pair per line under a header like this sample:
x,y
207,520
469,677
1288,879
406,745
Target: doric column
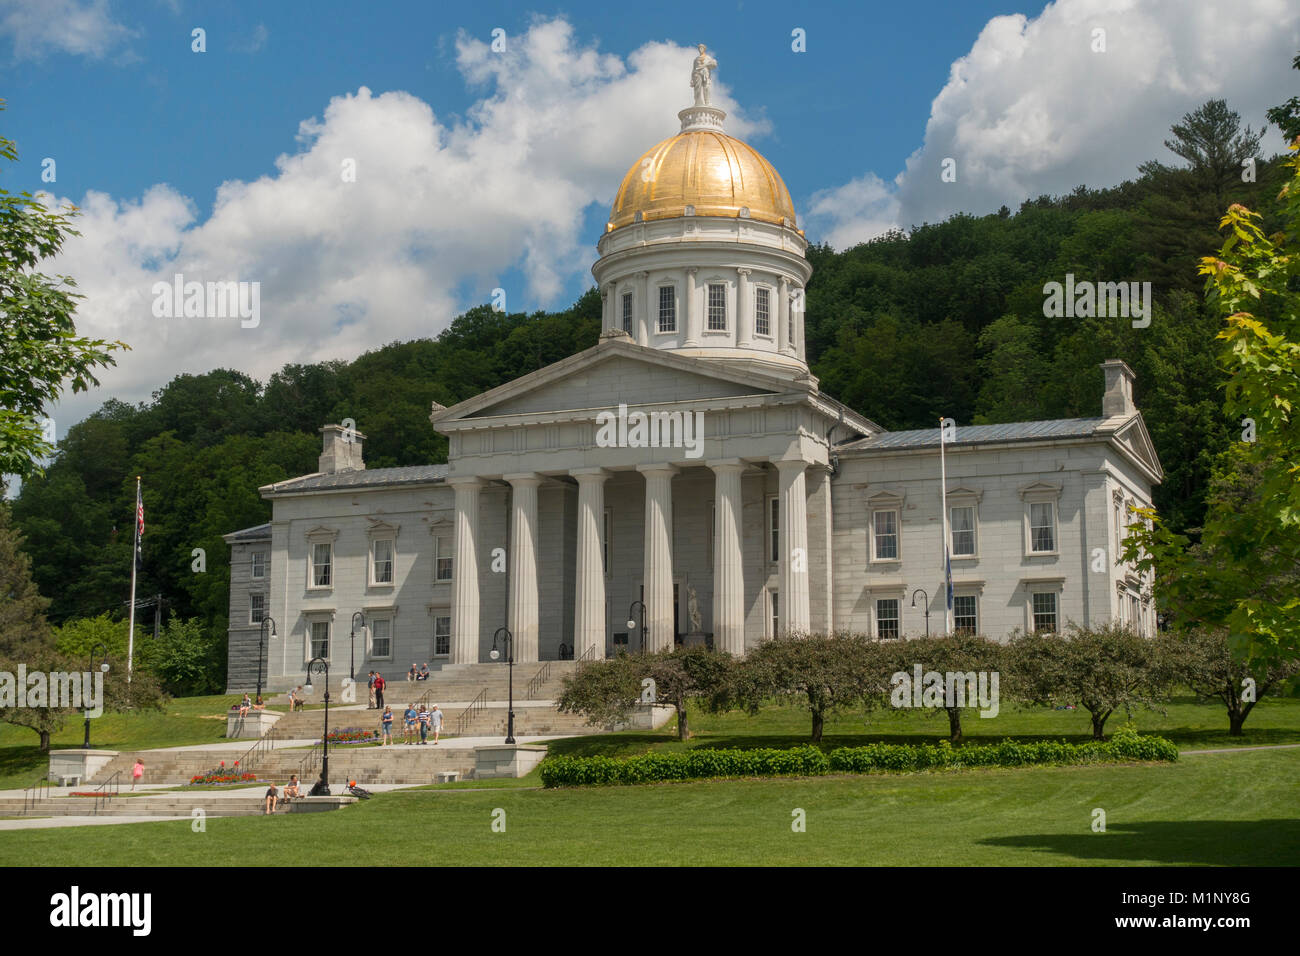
x,y
589,595
794,608
783,317
607,306
692,312
464,610
728,562
523,564
744,311
644,324
658,575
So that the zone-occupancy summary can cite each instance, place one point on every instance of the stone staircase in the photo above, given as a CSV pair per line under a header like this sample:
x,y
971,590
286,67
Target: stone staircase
x,y
167,805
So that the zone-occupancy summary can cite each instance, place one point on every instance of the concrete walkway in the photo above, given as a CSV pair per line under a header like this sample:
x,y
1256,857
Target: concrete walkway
x,y
457,742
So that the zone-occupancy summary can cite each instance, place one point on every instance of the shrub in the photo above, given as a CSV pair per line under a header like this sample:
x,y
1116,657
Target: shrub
x,y
1127,744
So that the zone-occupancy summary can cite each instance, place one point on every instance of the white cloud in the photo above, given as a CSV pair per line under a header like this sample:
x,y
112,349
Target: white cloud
x,y
438,206
1031,109
255,42
40,27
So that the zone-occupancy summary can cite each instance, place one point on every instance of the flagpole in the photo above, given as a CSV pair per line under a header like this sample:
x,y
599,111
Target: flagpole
x,y
135,560
947,561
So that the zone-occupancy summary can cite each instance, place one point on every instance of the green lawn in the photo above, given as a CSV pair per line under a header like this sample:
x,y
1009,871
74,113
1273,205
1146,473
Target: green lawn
x,y
185,720
1230,809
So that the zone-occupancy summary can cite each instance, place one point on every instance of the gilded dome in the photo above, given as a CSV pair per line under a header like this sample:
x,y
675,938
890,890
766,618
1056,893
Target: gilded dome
x,y
708,170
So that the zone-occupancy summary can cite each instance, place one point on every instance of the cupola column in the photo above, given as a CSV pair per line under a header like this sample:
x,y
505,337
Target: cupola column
x,y
783,317
744,311
692,312
647,311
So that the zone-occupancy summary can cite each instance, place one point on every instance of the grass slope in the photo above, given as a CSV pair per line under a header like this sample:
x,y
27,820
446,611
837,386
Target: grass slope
x,y
1226,809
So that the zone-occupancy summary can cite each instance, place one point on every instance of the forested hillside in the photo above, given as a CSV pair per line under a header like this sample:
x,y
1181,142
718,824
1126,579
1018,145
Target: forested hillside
x,y
945,320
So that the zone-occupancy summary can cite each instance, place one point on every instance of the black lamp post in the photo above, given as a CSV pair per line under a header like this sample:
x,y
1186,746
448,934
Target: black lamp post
x,y
322,787
352,652
509,641
261,650
631,624
921,591
103,667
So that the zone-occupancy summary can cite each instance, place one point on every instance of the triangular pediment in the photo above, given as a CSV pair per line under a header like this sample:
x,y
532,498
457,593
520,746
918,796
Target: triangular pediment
x,y
615,372
1134,438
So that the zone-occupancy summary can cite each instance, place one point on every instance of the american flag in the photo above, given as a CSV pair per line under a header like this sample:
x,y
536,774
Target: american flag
x,y
139,527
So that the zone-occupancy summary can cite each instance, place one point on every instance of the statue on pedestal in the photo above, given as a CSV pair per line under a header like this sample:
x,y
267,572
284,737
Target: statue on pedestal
x,y
701,78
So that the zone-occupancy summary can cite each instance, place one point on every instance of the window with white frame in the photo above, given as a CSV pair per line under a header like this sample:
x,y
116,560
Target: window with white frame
x,y
381,637
256,608
1042,527
320,639
887,619
381,561
667,308
322,564
774,529
884,534
965,616
444,562
627,312
962,522
441,635
257,568
717,307
762,311
775,621
1044,611
1135,613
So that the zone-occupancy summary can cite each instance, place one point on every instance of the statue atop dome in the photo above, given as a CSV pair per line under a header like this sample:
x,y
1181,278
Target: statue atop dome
x,y
701,77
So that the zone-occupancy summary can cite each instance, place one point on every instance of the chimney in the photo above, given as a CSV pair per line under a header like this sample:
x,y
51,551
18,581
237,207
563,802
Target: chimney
x,y
342,450
1118,397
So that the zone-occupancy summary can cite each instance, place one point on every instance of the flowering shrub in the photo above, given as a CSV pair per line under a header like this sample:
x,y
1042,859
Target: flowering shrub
x,y
351,735
223,776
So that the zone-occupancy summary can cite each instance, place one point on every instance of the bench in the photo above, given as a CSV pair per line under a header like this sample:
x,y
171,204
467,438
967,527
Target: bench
x,y
68,779
447,776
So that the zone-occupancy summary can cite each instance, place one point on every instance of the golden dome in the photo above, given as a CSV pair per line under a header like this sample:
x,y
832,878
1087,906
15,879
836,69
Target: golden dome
x,y
715,173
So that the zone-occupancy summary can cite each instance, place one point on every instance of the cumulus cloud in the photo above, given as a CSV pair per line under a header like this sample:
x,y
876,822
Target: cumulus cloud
x,y
440,210
1032,109
37,28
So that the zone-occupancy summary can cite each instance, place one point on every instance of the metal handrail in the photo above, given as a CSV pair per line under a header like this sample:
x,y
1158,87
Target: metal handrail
x,y
477,705
310,762
539,679
35,793
264,743
102,793
588,657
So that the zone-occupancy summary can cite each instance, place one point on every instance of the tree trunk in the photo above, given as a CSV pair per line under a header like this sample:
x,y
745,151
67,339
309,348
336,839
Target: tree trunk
x,y
683,731
45,741
818,719
1235,719
1099,725
954,724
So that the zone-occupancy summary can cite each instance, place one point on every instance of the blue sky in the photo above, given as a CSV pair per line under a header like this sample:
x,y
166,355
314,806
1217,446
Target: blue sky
x,y
484,170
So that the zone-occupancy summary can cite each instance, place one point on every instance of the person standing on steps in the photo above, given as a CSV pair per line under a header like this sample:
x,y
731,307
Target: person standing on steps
x,y
387,723
435,722
379,689
424,725
370,689
137,772
408,724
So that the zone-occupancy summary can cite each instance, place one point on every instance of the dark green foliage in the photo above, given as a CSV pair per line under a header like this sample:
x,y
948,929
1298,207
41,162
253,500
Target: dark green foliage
x,y
1127,744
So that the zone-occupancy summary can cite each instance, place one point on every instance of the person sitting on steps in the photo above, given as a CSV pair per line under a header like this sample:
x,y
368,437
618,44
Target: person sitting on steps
x,y
271,800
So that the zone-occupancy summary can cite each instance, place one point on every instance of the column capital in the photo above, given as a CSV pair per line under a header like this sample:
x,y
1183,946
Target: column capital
x,y
657,467
465,480
589,474
744,272
790,464
526,479
643,274
692,270
724,464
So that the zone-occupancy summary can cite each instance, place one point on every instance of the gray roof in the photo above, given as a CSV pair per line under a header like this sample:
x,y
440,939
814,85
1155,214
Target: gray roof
x,y
981,434
362,478
260,532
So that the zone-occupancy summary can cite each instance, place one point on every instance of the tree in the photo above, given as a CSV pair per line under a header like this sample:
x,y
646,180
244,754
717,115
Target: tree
x,y
1100,669
606,692
962,655
185,659
1242,574
1286,116
39,345
1212,141
822,672
1201,659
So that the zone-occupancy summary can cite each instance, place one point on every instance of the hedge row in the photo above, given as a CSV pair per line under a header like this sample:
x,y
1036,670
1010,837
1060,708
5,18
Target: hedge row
x,y
808,761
